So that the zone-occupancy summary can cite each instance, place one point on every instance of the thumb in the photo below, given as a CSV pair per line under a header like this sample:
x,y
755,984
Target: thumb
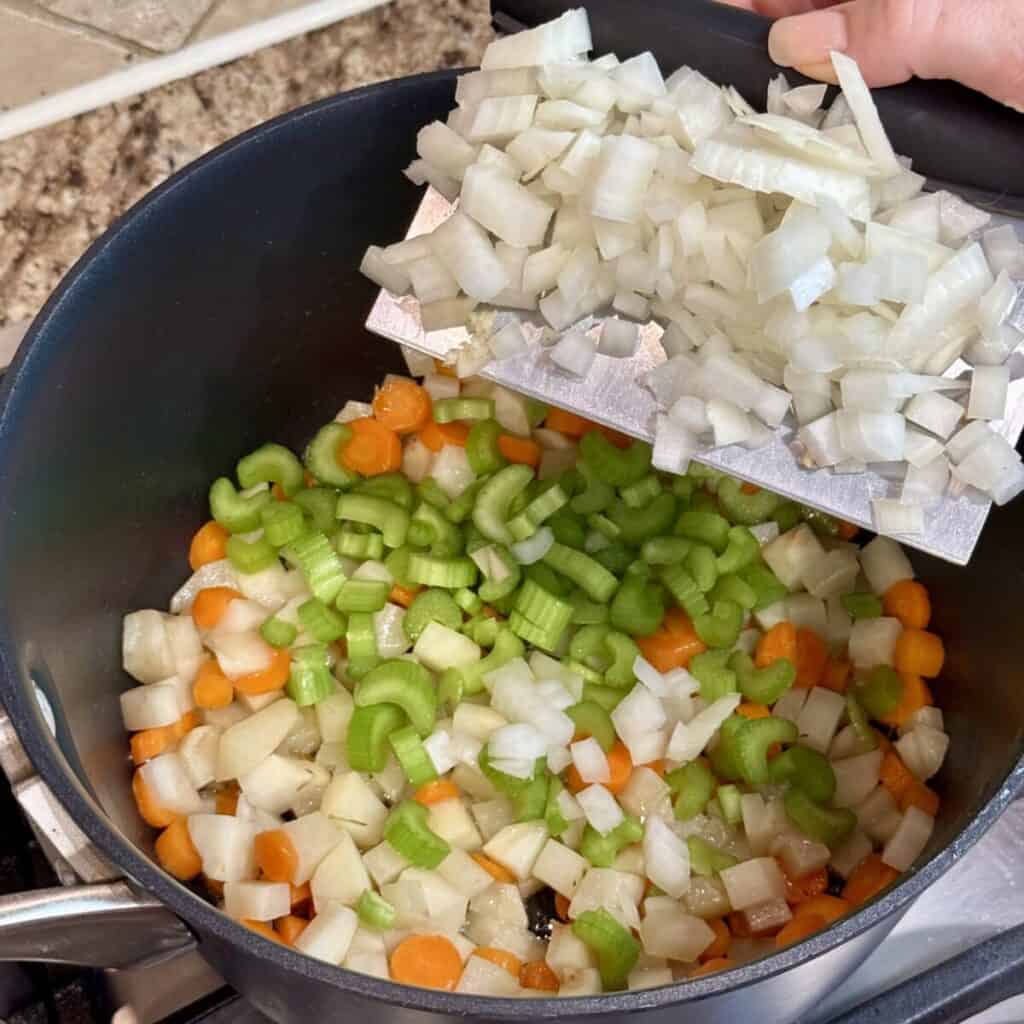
x,y
976,42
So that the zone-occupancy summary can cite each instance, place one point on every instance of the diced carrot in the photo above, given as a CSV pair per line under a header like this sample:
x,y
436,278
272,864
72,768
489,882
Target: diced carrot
x,y
150,743
227,799
212,689
798,929
184,725
489,613
658,767
210,605
214,887
436,792
403,595
837,675
779,642
261,928
567,423
674,643
519,449
373,448
895,775
561,907
493,868
176,852
620,767
749,488
537,975
738,925
800,890
152,813
869,878
444,369
430,961
883,741
210,544
920,796
273,677
847,531
501,957
750,710
916,695
276,855
919,653
909,602
290,928
723,940
811,658
277,491
831,908
401,405
722,963
308,479
300,895
436,435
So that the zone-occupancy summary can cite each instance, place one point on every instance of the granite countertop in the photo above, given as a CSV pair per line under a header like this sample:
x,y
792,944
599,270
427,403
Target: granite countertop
x,y
60,187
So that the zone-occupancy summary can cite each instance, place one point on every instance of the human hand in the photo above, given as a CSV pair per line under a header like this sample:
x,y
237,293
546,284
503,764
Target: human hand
x,y
977,42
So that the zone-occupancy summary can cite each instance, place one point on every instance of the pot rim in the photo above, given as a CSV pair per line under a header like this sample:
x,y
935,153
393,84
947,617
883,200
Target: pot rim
x,y
16,688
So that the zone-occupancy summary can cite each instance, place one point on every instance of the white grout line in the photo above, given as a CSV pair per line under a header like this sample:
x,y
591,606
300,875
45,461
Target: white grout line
x,y
160,70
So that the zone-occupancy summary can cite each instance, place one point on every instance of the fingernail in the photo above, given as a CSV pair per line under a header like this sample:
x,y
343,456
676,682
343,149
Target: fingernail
x,y
823,72
806,39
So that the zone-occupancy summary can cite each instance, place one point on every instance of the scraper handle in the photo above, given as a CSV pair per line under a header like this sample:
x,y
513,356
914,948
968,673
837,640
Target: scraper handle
x,y
953,134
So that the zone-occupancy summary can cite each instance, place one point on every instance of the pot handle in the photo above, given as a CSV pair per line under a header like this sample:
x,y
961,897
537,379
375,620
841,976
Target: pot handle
x,y
954,990
105,925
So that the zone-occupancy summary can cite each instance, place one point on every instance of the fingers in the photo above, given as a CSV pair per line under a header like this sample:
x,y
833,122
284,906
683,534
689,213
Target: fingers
x,y
780,8
977,42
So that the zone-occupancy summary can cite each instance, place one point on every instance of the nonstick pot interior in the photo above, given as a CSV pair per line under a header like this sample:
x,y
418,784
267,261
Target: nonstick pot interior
x,y
226,310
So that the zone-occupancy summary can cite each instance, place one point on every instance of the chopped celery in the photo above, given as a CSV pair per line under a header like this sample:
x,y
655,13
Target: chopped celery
x,y
823,824
752,742
707,860
412,755
805,769
375,912
862,606
637,607
407,831
404,683
282,522
431,606
390,518
310,679
249,556
693,785
601,850
880,693
322,623
368,732
762,685
322,456
278,633
235,512
272,463
616,950
591,719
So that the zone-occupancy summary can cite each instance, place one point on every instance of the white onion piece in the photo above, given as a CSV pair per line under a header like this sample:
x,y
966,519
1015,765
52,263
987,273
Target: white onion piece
x,y
935,413
925,485
897,516
871,436
822,442
590,761
622,174
690,412
575,353
534,548
666,857
647,674
865,114
563,39
504,207
1004,250
989,388
731,425
674,446
909,840
519,742
873,641
992,466
919,449
507,342
439,145
419,172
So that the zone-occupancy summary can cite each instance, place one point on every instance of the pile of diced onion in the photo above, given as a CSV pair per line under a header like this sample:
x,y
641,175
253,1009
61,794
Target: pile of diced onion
x,y
797,268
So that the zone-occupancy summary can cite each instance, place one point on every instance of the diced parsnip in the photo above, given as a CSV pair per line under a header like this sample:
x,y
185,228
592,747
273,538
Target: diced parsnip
x,y
145,647
560,868
618,892
303,737
763,821
884,564
245,745
500,902
631,859
198,753
477,720
909,840
260,820
650,972
856,778
873,641
214,574
330,934
668,931
275,782
307,799
647,795
819,718
584,981
351,802
367,954
566,952
224,845
474,784
384,863
707,898
340,876
517,847
313,836
846,857
492,816
170,784
666,858
790,704
445,905
150,707
458,869
754,881
452,822
878,815
923,750
333,714
257,901
333,757
254,702
794,555
799,855
481,977
767,917
389,783
440,648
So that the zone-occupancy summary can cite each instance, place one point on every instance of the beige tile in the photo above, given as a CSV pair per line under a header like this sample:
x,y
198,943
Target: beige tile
x,y
38,59
232,14
159,24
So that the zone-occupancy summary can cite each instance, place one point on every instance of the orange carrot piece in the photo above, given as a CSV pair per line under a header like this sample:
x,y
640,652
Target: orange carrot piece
x,y
722,941
501,957
401,406
430,961
176,853
444,369
290,928
620,766
152,813
722,963
779,642
150,743
436,435
537,975
261,928
210,605
212,689
561,907
210,544
869,878
738,925
673,644
916,695
300,895
277,492
800,890
227,799
436,792
895,775
273,677
519,449
811,658
837,675
847,531
403,595
567,423
919,653
373,448
276,855
798,929
493,868
184,725
750,710
831,908
918,795
909,602
749,488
